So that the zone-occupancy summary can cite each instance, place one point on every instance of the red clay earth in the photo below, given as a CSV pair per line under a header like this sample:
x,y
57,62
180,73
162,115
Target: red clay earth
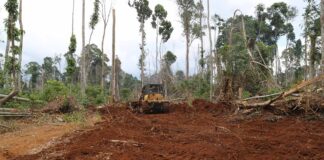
x,y
207,131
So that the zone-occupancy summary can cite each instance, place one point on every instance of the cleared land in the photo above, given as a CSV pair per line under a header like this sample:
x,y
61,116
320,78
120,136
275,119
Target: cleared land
x,y
203,131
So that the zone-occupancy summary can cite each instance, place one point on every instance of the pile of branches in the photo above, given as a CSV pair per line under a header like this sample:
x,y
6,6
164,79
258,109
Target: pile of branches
x,y
61,104
299,98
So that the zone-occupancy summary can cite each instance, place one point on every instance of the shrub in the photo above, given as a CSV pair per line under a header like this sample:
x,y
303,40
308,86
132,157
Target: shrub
x,y
54,89
94,96
125,94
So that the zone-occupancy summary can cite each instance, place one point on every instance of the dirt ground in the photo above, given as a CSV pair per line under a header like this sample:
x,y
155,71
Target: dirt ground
x,y
203,131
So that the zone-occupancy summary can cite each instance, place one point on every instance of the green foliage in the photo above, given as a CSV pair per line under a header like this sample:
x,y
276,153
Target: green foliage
x,y
143,10
246,94
165,30
95,16
159,19
34,69
197,86
54,89
2,78
94,95
169,58
18,105
70,60
180,75
48,68
188,12
126,94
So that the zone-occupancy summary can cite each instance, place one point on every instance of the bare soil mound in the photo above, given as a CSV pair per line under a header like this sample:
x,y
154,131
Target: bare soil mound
x,y
189,133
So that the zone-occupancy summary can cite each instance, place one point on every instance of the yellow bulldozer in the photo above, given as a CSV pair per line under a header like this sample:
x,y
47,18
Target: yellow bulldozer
x,y
152,100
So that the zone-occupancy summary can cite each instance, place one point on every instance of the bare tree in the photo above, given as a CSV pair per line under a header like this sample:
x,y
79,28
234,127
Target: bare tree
x,y
187,10
210,51
113,59
105,18
73,17
322,36
21,43
83,59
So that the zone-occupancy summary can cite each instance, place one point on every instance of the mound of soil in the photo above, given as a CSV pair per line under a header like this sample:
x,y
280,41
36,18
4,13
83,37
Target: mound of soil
x,y
189,134
201,105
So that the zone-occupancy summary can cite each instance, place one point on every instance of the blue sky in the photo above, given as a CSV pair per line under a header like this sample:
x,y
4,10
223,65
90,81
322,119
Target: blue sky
x,y
48,27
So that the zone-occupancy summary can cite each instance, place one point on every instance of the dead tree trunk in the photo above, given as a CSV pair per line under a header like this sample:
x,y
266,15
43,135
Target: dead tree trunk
x,y
113,59
21,43
142,58
283,94
187,55
210,52
83,59
322,36
105,21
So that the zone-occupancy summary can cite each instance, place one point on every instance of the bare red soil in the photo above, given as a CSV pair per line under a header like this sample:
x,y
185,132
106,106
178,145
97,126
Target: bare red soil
x,y
205,131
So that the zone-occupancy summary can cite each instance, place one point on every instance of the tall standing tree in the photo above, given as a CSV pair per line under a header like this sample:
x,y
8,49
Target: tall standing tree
x,y
83,58
163,27
113,58
168,59
143,13
200,15
312,30
13,34
48,69
279,15
322,36
105,17
69,56
210,52
21,28
187,9
70,59
34,69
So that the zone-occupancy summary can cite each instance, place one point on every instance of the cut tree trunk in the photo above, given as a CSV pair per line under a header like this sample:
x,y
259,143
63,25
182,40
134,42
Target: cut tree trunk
x,y
283,94
16,98
8,97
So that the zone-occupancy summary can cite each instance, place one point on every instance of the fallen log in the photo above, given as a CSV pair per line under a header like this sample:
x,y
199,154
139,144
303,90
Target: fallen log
x,y
8,109
259,97
13,113
293,90
16,98
8,97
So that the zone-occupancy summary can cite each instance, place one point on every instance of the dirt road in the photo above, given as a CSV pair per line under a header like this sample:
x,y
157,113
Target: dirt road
x,y
207,132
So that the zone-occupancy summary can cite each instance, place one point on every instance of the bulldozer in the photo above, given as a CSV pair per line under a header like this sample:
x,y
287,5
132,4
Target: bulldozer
x,y
152,100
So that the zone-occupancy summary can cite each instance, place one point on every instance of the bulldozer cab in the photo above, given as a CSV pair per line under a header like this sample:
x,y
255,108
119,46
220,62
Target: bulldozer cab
x,y
152,89
152,92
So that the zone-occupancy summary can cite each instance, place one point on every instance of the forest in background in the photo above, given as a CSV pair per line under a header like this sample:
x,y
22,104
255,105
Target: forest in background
x,y
243,60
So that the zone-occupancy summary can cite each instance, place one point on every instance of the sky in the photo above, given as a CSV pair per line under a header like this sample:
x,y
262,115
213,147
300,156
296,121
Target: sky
x,y
47,25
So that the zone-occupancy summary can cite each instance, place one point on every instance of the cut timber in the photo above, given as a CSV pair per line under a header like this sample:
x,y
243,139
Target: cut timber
x,y
283,94
259,97
8,97
8,110
16,98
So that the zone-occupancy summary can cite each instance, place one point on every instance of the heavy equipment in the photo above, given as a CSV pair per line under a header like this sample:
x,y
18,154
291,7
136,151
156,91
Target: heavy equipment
x,y
152,100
